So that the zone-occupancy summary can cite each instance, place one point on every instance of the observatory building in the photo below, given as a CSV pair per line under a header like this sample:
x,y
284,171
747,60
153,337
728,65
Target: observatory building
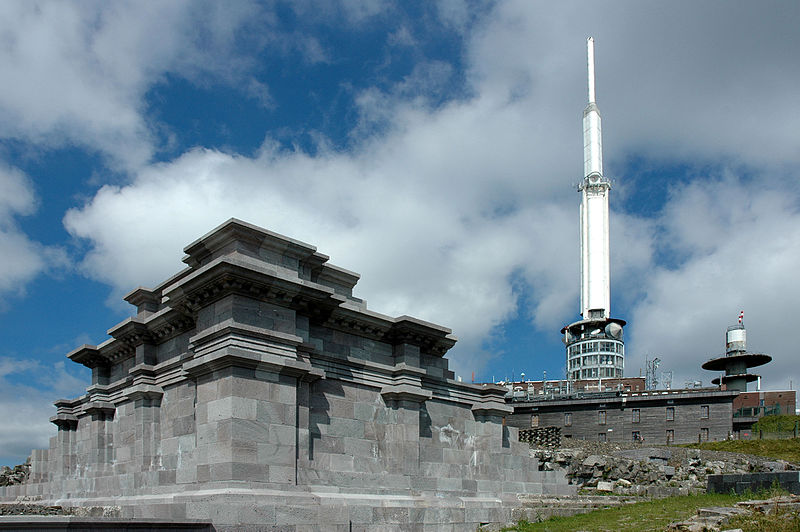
x,y
595,347
736,360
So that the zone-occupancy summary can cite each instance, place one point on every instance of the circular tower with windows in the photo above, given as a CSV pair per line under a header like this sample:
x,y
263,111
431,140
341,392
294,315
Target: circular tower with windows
x,y
595,347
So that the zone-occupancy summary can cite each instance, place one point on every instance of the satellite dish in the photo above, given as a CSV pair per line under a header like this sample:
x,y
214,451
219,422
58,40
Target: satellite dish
x,y
614,330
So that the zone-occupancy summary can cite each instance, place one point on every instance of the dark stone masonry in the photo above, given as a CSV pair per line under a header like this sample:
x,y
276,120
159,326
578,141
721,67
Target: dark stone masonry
x,y
253,390
787,480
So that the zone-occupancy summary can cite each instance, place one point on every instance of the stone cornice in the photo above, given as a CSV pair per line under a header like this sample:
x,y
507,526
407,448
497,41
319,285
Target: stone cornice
x,y
431,339
65,421
69,406
132,332
233,357
144,299
104,408
493,408
129,334
230,327
143,391
88,355
405,392
236,235
237,274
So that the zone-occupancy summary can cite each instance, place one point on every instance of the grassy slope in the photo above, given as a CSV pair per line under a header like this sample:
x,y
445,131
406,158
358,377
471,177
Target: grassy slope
x,y
784,423
657,514
642,516
788,450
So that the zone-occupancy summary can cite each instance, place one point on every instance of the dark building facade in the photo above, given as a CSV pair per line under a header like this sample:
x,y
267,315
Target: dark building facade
x,y
663,416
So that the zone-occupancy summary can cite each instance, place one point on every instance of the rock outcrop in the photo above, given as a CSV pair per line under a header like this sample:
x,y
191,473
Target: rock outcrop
x,y
16,475
652,471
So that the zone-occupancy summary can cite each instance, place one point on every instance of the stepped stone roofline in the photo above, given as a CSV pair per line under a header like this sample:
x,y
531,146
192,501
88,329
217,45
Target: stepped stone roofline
x,y
238,257
236,236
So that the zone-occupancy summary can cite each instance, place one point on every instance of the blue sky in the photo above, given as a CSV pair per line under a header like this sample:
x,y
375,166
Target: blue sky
x,y
432,147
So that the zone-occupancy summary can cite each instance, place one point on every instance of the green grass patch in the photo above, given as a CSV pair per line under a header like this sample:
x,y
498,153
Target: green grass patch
x,y
653,515
784,423
788,450
780,520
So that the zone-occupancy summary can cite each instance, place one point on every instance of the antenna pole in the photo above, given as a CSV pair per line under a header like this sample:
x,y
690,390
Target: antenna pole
x,y
590,58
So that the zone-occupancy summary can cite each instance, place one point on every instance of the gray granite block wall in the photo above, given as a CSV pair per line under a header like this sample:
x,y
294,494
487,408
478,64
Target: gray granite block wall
x,y
253,389
740,483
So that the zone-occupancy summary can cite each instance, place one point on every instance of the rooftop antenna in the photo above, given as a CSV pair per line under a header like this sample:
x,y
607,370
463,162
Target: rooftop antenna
x,y
590,58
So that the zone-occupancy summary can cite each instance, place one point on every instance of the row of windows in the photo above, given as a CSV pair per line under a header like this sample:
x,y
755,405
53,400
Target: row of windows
x,y
594,347
637,436
593,360
636,416
595,373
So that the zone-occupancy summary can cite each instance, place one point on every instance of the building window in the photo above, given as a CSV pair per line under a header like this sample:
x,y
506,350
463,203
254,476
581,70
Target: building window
x,y
601,436
535,420
601,418
636,415
704,411
636,435
670,435
670,413
567,419
704,434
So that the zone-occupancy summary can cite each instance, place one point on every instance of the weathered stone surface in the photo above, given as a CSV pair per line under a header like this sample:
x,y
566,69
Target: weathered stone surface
x,y
253,388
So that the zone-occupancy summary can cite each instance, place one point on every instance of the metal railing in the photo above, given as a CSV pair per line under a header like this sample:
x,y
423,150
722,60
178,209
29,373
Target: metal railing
x,y
757,411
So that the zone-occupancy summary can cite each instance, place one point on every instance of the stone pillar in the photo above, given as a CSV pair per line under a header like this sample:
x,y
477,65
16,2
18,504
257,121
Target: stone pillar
x,y
401,440
39,466
303,422
100,451
491,439
147,433
64,456
247,403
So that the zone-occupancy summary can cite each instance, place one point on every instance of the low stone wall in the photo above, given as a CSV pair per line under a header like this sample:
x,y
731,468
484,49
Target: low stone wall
x,y
788,480
98,525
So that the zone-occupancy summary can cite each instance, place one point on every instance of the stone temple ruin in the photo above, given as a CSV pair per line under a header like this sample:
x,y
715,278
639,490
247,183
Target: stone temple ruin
x,y
253,389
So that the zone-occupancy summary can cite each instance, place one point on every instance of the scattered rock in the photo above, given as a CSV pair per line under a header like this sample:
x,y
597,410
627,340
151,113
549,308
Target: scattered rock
x,y
654,471
16,475
711,519
604,485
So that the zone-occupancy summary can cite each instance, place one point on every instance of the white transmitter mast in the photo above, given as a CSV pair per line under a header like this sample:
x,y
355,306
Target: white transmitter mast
x,y
595,348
